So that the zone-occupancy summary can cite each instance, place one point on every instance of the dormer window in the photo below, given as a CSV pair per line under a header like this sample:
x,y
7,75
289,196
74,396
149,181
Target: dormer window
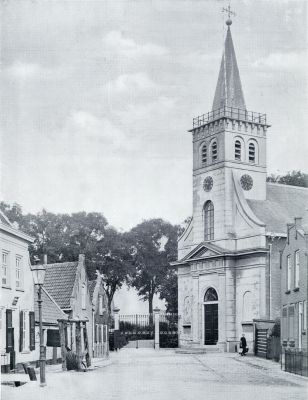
x,y
204,154
238,150
214,151
252,153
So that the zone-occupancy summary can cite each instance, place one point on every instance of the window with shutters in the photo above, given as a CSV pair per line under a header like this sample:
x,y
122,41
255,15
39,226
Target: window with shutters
x,y
214,151
18,271
204,154
5,268
31,330
9,331
22,331
238,150
252,152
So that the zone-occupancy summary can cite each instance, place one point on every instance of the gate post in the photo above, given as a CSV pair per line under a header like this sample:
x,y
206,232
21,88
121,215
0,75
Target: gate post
x,y
116,319
156,328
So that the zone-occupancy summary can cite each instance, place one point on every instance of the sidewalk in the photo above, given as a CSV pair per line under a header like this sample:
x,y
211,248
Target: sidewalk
x,y
52,369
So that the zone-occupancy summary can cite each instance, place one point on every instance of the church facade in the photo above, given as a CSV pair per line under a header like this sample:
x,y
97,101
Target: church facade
x,y
229,255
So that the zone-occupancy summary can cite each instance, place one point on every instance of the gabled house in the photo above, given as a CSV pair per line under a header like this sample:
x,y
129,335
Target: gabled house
x,y
51,312
17,297
100,317
294,286
67,283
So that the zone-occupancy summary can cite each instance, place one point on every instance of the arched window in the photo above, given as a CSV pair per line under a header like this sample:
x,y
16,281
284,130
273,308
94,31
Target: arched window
x,y
204,154
238,150
210,295
83,296
252,152
214,151
208,213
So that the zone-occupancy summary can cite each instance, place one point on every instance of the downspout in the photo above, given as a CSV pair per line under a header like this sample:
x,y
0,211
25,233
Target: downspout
x,y
270,279
93,327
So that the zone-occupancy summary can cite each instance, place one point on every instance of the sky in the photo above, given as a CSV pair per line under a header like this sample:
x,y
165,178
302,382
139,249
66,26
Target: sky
x,y
97,98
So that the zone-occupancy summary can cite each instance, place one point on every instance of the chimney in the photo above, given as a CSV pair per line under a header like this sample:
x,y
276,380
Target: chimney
x,y
45,259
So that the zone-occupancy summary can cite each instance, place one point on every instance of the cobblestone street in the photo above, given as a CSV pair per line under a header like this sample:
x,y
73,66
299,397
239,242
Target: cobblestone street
x,y
143,374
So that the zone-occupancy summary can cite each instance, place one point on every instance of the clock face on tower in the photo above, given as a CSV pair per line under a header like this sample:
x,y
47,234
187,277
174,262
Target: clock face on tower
x,y
208,183
246,182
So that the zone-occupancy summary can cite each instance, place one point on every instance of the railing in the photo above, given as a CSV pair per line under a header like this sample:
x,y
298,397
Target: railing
x,y
295,361
229,112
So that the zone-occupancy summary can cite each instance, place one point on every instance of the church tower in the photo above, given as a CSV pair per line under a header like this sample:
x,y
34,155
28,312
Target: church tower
x,y
229,149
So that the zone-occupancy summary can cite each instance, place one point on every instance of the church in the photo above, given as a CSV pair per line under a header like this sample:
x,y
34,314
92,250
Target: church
x,y
229,255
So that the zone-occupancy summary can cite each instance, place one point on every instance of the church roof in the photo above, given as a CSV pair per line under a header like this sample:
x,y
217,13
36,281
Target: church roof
x,y
229,88
283,203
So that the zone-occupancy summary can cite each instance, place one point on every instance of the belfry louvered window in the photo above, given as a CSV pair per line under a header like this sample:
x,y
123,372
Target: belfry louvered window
x,y
238,150
214,151
204,154
208,215
252,153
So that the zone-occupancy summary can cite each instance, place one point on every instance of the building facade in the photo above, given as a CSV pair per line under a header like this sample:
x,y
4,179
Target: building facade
x,y
229,255
294,286
17,297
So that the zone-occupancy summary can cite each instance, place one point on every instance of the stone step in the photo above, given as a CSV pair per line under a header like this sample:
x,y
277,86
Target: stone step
x,y
190,350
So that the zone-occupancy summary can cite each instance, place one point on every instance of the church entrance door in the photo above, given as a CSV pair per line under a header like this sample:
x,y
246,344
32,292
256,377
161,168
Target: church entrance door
x,y
210,323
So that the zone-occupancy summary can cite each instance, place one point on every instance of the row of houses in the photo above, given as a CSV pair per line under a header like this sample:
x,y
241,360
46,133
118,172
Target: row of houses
x,y
67,295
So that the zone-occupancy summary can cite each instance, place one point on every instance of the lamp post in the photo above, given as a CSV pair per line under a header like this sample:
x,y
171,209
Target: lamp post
x,y
38,272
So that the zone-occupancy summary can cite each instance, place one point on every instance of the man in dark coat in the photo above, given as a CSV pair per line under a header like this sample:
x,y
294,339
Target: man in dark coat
x,y
243,345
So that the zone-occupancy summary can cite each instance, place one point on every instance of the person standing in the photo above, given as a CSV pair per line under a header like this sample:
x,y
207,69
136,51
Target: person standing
x,y
243,345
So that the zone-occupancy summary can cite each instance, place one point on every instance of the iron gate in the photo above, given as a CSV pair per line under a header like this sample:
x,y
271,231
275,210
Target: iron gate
x,y
168,330
138,329
261,342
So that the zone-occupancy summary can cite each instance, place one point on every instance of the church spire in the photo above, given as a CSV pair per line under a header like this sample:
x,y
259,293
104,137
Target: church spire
x,y
229,88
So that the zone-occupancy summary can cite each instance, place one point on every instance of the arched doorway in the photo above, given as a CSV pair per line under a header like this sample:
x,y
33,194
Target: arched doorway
x,y
210,316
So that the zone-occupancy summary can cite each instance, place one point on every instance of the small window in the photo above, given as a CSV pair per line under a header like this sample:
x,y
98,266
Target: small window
x,y
238,150
210,295
214,151
204,154
100,304
289,270
252,153
83,297
18,271
208,214
296,270
5,268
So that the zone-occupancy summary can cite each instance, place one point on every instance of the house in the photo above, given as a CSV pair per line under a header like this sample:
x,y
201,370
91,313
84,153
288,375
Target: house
x,y
17,297
229,255
51,312
294,286
100,317
68,285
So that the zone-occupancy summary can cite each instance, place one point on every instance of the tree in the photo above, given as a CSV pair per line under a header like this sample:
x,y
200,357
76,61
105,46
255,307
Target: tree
x,y
293,178
154,245
113,260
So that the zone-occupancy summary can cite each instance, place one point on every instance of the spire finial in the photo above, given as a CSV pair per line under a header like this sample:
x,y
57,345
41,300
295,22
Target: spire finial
x,y
229,12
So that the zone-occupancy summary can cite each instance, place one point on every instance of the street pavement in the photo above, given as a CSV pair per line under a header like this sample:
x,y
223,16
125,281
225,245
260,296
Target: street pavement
x,y
146,374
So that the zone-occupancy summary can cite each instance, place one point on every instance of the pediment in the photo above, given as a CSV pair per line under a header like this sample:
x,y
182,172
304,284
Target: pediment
x,y
205,250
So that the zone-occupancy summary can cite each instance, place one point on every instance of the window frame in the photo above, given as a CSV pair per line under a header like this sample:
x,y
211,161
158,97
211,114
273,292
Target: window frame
x,y
18,272
238,150
252,159
209,220
289,272
5,267
296,269
214,150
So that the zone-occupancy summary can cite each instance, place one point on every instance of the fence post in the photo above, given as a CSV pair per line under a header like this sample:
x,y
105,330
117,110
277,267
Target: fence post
x,y
116,319
156,327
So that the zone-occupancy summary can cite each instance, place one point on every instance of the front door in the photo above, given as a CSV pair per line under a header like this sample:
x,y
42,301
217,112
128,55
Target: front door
x,y
210,323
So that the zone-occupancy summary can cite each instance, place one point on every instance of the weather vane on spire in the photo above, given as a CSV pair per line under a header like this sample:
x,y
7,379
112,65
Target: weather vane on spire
x,y
229,12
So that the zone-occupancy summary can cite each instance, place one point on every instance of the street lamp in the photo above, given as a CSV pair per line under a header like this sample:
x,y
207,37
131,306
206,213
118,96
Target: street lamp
x,y
38,272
